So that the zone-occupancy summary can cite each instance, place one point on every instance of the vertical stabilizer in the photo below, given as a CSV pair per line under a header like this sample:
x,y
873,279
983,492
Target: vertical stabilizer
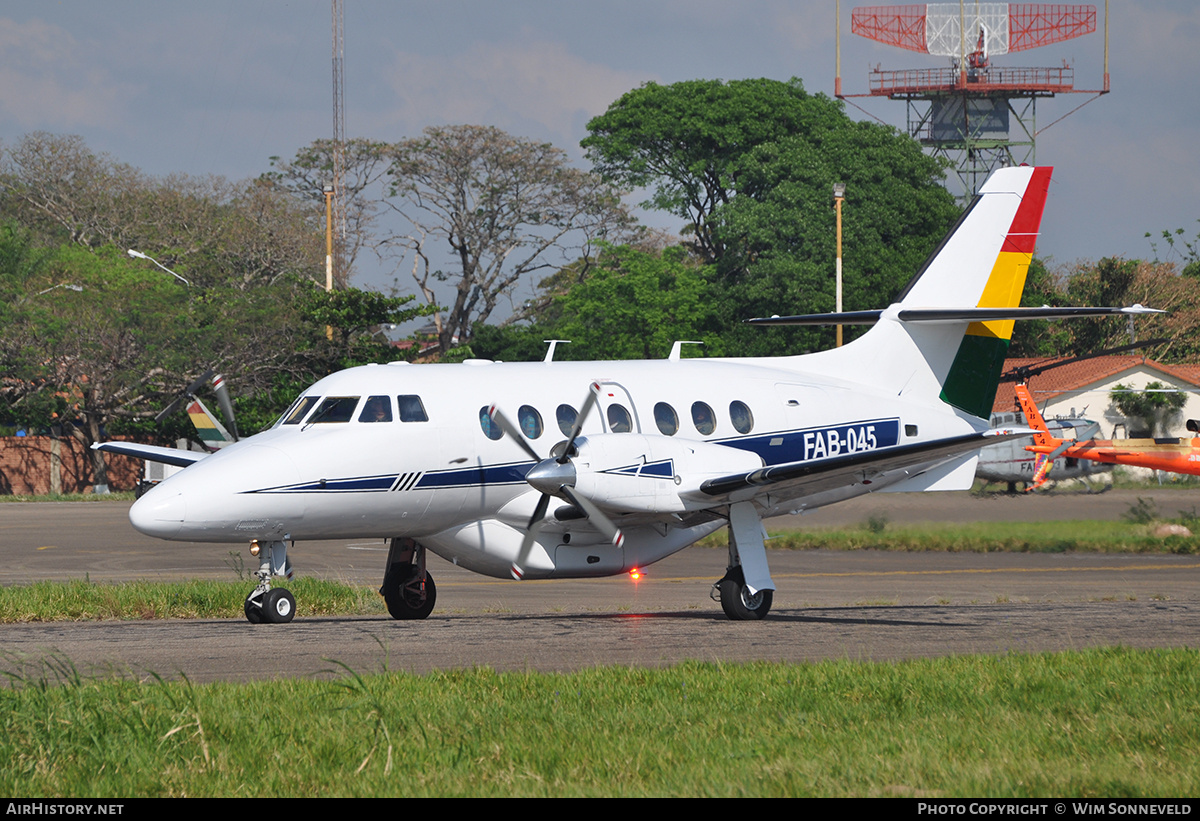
x,y
974,374
925,345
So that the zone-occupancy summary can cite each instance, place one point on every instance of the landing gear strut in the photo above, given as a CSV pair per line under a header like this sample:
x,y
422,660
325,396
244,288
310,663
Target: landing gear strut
x,y
270,605
408,589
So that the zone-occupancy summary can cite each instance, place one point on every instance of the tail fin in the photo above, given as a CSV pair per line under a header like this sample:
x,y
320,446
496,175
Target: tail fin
x,y
974,374
948,333
211,432
1034,417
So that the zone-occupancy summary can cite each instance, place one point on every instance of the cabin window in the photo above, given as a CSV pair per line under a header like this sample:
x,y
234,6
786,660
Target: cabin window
x,y
566,416
302,406
740,416
412,409
666,419
703,418
334,409
531,421
619,420
376,409
490,429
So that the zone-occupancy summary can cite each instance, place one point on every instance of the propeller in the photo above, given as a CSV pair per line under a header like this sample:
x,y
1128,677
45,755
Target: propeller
x,y
189,393
226,405
186,396
555,476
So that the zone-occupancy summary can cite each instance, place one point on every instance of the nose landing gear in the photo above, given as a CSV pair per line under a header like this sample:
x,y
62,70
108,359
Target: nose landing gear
x,y
266,604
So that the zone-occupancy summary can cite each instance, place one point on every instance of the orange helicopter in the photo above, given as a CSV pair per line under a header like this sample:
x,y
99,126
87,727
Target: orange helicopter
x,y
1173,455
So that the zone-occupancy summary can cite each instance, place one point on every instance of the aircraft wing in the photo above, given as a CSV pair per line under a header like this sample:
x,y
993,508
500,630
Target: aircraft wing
x,y
169,456
884,466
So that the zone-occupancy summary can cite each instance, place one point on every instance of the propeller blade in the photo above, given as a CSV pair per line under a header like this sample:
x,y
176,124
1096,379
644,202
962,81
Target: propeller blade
x,y
589,402
185,396
225,403
531,532
595,515
512,430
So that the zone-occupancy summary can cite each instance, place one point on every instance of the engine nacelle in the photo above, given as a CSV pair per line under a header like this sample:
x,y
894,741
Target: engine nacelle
x,y
633,473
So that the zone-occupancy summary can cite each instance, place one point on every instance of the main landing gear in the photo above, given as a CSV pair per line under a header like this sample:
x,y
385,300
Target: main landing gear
x,y
270,605
408,589
747,558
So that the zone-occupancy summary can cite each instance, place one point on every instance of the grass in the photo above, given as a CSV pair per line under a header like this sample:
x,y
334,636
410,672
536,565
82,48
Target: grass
x,y
81,600
1108,723
115,496
1088,536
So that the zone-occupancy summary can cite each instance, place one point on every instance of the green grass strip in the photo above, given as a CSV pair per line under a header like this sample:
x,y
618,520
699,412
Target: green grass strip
x,y
985,537
81,600
1097,723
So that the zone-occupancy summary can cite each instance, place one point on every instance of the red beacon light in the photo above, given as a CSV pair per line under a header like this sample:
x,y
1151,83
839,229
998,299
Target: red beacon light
x,y
636,574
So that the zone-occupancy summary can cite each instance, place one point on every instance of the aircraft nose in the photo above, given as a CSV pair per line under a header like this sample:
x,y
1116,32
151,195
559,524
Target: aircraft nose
x,y
159,513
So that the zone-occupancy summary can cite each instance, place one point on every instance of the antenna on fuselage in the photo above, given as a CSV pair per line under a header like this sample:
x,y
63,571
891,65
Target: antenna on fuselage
x,y
677,348
553,343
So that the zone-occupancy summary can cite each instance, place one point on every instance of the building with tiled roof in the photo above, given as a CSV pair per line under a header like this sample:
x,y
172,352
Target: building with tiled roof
x,y
1084,389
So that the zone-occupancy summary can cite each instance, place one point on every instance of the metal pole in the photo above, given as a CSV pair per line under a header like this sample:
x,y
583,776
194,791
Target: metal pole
x,y
328,248
839,195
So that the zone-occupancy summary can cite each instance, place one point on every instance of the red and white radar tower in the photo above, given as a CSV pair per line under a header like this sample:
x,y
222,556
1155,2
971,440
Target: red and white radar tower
x,y
965,111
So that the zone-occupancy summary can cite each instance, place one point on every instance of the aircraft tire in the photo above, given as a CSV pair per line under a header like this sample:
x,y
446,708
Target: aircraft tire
x,y
405,607
253,611
737,602
279,606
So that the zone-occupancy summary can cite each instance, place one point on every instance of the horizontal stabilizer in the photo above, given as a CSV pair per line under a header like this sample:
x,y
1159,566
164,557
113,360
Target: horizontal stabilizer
x,y
168,456
950,315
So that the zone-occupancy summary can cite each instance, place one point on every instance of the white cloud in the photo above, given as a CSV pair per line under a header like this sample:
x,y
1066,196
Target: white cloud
x,y
45,82
518,87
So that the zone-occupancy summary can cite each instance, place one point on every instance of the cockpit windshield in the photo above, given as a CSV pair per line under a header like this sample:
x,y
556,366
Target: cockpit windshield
x,y
298,410
334,409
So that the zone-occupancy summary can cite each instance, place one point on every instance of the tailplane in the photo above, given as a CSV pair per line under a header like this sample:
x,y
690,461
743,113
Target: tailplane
x,y
948,332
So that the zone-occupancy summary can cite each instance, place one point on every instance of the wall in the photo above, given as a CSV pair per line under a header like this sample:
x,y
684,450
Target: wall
x,y
38,465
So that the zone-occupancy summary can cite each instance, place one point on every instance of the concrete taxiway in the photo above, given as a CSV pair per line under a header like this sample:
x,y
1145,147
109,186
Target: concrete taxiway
x,y
861,605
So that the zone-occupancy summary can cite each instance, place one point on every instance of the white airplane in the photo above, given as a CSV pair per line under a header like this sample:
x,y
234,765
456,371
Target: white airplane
x,y
611,466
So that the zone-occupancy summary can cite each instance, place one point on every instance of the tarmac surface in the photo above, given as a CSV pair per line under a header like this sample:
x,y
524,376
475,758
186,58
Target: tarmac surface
x,y
829,604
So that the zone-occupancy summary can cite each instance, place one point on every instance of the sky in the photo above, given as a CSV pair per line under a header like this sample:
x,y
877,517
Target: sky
x,y
219,87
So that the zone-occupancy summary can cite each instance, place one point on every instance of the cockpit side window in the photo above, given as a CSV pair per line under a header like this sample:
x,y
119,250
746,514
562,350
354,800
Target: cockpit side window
x,y
335,409
301,407
376,409
412,409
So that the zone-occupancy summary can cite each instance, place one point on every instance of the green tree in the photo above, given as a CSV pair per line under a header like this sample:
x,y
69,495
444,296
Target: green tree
x,y
685,142
213,231
1157,405
634,304
365,165
750,165
504,207
356,317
